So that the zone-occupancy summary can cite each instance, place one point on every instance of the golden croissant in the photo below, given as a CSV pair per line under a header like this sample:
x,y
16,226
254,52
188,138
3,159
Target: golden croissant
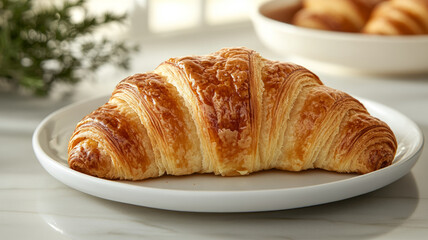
x,y
335,15
399,17
228,113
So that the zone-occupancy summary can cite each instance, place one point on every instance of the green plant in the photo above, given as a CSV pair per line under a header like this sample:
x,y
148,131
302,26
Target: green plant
x,y
42,47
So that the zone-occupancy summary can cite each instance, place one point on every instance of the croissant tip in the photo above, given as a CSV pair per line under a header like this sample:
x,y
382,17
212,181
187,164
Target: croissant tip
x,y
78,165
380,159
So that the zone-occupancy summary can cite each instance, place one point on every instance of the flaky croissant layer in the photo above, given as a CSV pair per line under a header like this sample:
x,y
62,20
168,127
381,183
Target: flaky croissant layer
x,y
228,113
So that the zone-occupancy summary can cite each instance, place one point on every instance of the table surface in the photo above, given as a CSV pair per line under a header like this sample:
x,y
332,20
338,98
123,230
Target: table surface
x,y
34,205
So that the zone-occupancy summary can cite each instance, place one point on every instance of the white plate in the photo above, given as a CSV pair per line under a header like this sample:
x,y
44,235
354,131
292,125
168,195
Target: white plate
x,y
350,51
264,191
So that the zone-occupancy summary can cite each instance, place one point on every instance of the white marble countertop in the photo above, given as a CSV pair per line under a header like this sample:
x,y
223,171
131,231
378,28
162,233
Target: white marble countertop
x,y
34,205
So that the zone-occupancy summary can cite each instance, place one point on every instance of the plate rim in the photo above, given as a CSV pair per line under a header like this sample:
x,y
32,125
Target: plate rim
x,y
50,163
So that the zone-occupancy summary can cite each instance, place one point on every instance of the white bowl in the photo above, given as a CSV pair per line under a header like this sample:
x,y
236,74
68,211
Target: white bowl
x,y
366,53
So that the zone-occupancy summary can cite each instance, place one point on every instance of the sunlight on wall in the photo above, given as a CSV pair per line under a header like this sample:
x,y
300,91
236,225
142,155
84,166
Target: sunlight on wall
x,y
171,15
226,11
163,16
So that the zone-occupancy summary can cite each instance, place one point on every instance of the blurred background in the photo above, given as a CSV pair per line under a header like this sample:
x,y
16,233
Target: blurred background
x,y
54,48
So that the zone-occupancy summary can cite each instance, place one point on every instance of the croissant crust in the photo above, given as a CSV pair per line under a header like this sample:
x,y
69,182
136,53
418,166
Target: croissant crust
x,y
228,113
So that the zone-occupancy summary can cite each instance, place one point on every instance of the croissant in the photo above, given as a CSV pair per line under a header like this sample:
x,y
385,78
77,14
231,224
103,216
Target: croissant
x,y
399,17
228,113
335,15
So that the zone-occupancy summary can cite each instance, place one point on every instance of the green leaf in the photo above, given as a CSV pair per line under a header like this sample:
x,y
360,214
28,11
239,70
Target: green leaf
x,y
31,41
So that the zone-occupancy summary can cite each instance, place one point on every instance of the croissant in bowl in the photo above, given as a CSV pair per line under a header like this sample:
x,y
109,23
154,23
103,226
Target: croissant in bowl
x,y
399,17
335,15
379,17
228,113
